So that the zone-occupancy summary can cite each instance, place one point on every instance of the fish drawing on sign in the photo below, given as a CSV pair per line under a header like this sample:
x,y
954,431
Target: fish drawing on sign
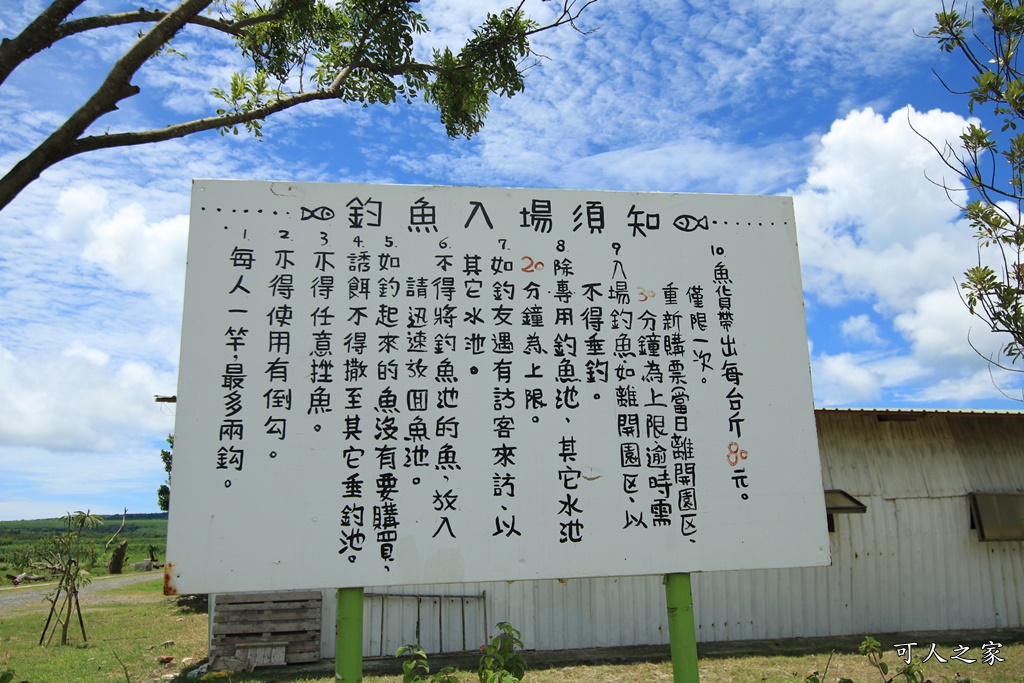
x,y
321,213
688,223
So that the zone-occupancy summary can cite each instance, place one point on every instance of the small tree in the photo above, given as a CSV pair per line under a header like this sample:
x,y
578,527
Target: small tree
x,y
64,561
163,494
298,51
990,160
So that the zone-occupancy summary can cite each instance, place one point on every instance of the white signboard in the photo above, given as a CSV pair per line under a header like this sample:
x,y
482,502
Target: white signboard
x,y
386,385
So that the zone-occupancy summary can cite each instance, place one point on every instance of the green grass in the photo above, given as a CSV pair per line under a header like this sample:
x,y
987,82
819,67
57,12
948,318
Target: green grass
x,y
129,624
19,539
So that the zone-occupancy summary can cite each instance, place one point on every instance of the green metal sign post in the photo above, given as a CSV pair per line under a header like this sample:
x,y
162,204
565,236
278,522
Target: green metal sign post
x,y
348,638
682,631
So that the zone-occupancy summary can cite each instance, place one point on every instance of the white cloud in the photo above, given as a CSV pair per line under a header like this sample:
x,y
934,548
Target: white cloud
x,y
940,329
868,378
78,400
185,82
844,379
693,164
975,386
77,208
861,328
145,257
876,172
91,355
875,228
871,222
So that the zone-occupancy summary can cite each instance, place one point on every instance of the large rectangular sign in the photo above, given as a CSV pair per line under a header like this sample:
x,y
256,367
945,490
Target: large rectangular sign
x,y
386,385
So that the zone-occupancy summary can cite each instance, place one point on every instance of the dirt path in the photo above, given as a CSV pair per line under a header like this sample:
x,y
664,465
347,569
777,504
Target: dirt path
x,y
11,597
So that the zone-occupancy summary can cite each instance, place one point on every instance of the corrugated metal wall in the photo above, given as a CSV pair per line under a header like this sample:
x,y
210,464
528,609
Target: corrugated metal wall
x,y
910,563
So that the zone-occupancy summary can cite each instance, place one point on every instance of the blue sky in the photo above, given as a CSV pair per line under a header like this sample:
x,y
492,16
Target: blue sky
x,y
815,100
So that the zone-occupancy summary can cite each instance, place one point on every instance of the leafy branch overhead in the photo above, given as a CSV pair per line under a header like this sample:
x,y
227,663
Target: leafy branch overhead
x,y
990,159
298,51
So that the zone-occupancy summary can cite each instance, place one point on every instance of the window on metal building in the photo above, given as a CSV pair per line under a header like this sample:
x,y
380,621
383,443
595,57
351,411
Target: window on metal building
x,y
838,502
997,516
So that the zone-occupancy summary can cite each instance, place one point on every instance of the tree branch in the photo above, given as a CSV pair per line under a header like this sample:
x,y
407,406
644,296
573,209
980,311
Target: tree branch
x,y
570,13
36,37
41,36
106,546
234,28
141,16
115,87
501,43
95,142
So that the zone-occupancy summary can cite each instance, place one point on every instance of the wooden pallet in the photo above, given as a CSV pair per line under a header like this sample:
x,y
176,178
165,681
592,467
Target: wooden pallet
x,y
267,629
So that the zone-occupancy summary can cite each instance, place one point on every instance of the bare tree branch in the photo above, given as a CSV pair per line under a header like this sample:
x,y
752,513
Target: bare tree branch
x,y
116,87
36,37
124,515
144,16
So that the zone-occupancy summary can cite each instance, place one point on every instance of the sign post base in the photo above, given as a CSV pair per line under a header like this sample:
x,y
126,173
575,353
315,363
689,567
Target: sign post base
x,y
682,632
348,638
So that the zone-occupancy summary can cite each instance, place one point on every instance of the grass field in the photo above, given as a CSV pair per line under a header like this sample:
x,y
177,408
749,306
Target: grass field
x,y
134,624
20,541
130,627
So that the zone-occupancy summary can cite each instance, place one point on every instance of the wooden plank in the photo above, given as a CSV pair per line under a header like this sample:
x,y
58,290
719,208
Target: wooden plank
x,y
291,655
275,627
245,629
309,624
251,613
270,635
303,658
251,638
268,607
262,655
266,616
282,596
290,648
264,636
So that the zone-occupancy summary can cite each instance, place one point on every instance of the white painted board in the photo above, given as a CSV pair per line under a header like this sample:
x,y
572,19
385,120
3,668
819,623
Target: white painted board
x,y
384,385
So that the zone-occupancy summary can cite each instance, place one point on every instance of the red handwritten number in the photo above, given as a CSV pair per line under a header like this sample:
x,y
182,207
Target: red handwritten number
x,y
735,454
646,294
531,265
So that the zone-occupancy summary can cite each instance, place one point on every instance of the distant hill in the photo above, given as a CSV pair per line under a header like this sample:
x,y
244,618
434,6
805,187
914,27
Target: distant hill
x,y
56,524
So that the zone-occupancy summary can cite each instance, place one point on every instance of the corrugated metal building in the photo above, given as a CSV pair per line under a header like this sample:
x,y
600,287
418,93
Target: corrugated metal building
x,y
906,556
